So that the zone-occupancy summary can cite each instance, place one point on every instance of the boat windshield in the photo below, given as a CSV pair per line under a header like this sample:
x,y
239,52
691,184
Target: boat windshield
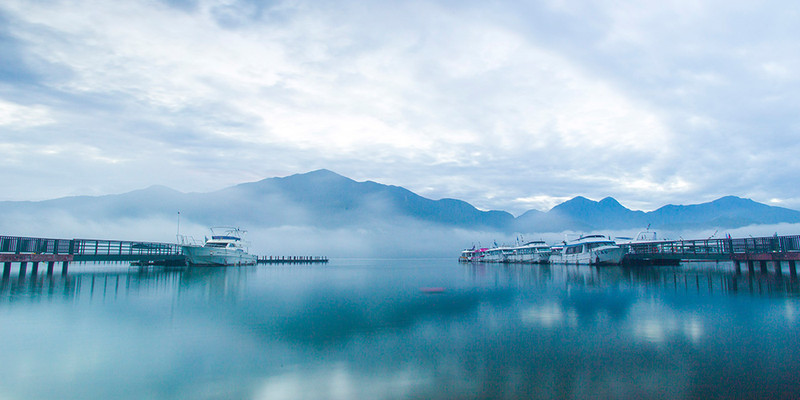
x,y
599,244
212,244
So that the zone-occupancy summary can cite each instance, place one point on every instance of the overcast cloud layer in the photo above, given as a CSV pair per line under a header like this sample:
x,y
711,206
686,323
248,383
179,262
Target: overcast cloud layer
x,y
505,105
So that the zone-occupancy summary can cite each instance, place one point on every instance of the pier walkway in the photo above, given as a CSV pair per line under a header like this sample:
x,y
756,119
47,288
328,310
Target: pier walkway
x,y
24,250
761,250
33,250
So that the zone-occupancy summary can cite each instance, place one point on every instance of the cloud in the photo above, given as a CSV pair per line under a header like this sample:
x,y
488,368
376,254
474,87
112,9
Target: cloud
x,y
491,103
17,116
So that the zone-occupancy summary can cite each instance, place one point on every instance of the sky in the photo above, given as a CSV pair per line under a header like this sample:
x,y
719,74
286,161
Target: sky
x,y
508,105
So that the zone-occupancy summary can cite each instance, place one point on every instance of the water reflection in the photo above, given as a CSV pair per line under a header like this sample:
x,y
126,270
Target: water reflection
x,y
219,283
364,329
121,280
701,278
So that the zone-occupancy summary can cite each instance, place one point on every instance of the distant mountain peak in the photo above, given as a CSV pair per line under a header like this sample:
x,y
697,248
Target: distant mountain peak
x,y
609,200
576,201
321,172
316,177
732,200
156,189
317,173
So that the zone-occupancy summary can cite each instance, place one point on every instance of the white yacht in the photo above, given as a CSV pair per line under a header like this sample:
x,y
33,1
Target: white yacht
x,y
591,249
497,254
473,255
536,252
222,249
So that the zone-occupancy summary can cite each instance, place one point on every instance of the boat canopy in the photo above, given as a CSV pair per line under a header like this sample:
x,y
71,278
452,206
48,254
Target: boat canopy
x,y
225,238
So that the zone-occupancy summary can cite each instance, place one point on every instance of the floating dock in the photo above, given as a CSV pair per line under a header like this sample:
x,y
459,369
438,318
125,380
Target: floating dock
x,y
291,259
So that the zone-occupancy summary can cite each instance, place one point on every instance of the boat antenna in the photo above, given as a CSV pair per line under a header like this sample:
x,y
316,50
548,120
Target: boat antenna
x,y
178,234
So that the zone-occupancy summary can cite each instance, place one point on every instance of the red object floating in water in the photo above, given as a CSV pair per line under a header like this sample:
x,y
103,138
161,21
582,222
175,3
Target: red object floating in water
x,y
432,289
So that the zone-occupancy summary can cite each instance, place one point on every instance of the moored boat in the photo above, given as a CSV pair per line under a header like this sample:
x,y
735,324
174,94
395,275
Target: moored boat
x,y
590,249
472,255
226,249
647,248
498,254
536,252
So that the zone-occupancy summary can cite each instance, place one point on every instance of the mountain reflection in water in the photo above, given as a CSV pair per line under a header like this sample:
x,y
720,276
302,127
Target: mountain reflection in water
x,y
365,329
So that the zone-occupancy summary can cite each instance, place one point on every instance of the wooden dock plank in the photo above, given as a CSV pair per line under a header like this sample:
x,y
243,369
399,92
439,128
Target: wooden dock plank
x,y
28,257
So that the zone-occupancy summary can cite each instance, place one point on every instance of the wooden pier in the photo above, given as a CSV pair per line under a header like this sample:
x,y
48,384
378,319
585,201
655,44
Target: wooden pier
x,y
773,250
33,250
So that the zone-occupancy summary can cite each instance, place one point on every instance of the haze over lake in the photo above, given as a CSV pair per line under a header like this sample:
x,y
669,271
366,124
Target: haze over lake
x,y
367,328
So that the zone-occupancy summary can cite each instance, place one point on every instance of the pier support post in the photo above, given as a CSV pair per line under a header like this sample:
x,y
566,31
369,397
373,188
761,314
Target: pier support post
x,y
50,266
778,270
6,270
23,269
792,268
738,265
34,268
64,267
751,267
763,265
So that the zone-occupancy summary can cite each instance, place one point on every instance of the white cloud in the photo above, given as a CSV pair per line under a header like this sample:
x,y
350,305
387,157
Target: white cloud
x,y
17,116
489,103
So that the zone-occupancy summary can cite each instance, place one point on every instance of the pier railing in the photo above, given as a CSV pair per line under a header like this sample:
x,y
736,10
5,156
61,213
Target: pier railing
x,y
21,245
88,249
716,249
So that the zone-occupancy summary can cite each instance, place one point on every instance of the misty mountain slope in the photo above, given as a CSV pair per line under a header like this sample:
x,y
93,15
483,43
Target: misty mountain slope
x,y
334,199
605,214
538,221
152,201
725,212
583,214
324,199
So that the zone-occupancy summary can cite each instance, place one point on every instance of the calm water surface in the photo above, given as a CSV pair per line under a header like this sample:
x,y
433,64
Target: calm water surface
x,y
368,329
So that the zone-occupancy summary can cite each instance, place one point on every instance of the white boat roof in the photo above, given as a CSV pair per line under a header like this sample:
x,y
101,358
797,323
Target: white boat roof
x,y
591,239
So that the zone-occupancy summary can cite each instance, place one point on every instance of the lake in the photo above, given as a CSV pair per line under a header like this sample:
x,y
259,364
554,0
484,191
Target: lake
x,y
400,329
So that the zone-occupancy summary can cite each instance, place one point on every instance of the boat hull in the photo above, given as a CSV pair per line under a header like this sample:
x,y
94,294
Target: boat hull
x,y
535,258
219,257
600,256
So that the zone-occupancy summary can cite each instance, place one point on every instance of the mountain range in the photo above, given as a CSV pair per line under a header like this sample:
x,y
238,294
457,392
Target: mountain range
x,y
327,200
